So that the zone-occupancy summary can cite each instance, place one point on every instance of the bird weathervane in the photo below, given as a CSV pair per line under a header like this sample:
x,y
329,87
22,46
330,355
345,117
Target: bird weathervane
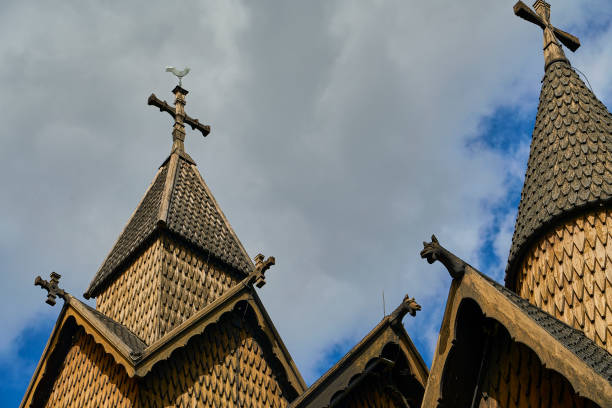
x,y
179,74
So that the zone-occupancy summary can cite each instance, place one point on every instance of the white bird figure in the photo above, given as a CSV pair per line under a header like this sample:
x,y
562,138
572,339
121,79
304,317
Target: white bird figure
x,y
179,74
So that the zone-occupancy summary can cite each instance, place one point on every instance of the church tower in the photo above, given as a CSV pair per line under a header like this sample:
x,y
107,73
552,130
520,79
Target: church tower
x,y
177,253
178,321
561,254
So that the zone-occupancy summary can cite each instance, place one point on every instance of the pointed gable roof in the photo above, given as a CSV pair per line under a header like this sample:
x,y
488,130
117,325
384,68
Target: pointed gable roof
x,y
179,201
367,356
138,359
560,348
570,160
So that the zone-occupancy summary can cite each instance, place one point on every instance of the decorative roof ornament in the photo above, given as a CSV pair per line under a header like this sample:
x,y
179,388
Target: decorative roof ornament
x,y
178,112
52,287
433,251
261,267
408,306
552,35
179,74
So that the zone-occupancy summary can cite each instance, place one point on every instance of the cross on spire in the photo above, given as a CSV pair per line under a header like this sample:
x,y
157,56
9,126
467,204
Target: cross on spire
x,y
180,117
52,287
552,35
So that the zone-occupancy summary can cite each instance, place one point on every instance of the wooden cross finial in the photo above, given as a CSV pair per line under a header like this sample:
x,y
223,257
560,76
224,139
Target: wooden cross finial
x,y
52,287
261,267
552,35
180,117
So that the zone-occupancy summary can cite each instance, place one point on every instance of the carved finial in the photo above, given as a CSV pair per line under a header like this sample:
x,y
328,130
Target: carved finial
x,y
433,251
261,267
552,35
178,112
408,306
51,287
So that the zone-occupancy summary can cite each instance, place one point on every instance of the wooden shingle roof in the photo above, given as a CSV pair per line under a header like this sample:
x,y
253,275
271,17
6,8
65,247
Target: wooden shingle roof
x,y
574,340
179,201
570,161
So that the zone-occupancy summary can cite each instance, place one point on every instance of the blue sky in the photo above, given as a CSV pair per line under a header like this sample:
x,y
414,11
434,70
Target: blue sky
x,y
343,136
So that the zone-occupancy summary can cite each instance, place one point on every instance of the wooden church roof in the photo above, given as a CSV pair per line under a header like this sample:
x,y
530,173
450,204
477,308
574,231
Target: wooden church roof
x,y
572,339
179,201
138,359
560,348
570,160
366,357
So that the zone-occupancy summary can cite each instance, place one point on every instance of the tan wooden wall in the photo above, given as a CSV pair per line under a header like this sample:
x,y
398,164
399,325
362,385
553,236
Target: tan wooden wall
x,y
162,288
203,374
89,377
371,393
515,378
568,274
132,299
189,282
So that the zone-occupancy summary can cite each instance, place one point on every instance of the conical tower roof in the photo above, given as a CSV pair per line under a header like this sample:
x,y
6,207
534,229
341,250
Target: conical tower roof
x,y
570,160
180,203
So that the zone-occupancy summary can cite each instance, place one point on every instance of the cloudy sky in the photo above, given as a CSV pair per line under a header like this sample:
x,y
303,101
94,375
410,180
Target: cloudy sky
x,y
343,134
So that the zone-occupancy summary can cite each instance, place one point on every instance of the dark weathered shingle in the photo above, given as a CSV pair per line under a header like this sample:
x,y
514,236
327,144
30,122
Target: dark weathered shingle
x,y
192,213
574,340
130,339
570,162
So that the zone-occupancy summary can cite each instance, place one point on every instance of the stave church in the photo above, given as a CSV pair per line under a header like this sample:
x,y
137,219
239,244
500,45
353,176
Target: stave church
x,y
178,321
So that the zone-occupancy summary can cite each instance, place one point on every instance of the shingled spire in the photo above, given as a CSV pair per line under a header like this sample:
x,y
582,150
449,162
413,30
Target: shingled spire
x,y
177,252
562,241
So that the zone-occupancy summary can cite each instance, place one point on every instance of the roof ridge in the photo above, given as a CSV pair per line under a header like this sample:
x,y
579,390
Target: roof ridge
x,y
170,182
96,281
224,218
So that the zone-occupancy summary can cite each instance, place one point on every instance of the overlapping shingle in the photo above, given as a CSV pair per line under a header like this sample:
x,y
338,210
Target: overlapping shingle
x,y
574,340
192,213
570,162
131,340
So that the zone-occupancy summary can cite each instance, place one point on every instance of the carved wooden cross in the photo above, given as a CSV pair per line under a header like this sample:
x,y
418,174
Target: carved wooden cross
x,y
52,287
261,267
541,18
180,117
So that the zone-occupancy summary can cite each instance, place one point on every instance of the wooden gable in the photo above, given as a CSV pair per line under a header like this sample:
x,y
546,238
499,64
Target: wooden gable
x,y
229,353
496,349
383,370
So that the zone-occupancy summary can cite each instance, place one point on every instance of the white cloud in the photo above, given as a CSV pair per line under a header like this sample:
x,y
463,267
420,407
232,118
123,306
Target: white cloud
x,y
338,141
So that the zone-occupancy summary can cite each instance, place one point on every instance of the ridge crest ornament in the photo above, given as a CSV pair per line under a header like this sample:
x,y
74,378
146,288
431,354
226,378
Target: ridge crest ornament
x,y
52,287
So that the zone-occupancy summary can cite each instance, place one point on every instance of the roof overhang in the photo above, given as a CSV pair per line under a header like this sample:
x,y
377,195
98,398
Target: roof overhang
x,y
139,363
495,305
363,358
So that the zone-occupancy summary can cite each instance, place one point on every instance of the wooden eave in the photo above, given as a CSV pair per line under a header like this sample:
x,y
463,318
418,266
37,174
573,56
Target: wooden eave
x,y
76,312
163,348
495,305
139,365
358,360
